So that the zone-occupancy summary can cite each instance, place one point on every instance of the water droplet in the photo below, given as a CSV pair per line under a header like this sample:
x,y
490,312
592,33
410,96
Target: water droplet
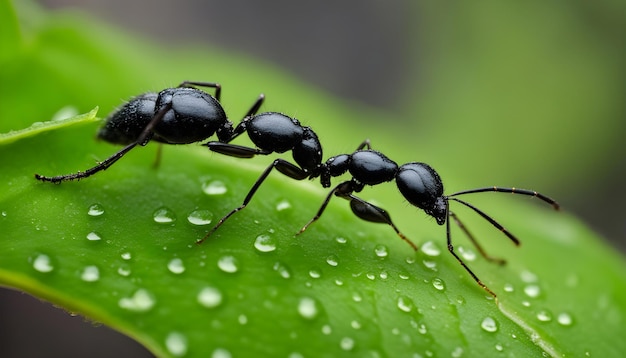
x,y
381,251
265,243
341,240
210,297
92,236
95,210
356,297
338,282
126,256
164,216
457,352
90,274
508,287
228,264
283,205
544,316
315,273
370,276
307,308
4,214
347,343
432,265
176,344
564,319
429,248
532,291
332,260
176,266
499,347
242,319
467,254
528,276
383,275
221,353
421,328
489,324
42,263
326,329
282,270
355,324
200,217
439,284
141,301
123,271
405,304
214,187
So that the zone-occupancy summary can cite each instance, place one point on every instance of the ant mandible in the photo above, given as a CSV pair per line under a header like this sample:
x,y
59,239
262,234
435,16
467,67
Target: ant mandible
x,y
420,185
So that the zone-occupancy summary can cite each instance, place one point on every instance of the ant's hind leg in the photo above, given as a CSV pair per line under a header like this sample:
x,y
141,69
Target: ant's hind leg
x,y
217,86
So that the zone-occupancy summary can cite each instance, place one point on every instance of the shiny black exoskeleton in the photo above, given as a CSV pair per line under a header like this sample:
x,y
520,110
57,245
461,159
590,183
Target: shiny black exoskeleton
x,y
418,183
273,132
179,115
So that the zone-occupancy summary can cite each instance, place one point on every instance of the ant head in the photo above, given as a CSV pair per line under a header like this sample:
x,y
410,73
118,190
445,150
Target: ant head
x,y
421,186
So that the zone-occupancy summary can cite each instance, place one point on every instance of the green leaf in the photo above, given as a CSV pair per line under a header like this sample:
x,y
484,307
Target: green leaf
x,y
122,252
344,286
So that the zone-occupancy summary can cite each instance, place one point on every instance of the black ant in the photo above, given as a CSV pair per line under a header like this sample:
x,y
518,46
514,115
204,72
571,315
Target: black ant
x,y
179,115
273,132
420,185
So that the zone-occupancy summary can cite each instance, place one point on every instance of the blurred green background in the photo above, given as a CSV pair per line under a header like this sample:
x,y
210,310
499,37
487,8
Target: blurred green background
x,y
515,94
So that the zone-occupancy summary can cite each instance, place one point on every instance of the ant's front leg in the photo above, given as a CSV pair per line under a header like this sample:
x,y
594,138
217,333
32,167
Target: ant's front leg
x,y
282,166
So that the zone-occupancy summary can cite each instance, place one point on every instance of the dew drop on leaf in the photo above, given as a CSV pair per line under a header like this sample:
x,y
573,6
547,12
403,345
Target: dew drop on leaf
x,y
405,304
210,297
164,215
265,243
489,324
92,236
564,319
176,344
221,353
90,274
283,205
381,251
282,270
176,266
126,256
532,291
347,343
95,210
315,273
214,187
429,248
544,316
141,301
228,264
439,284
200,217
307,308
42,263
332,260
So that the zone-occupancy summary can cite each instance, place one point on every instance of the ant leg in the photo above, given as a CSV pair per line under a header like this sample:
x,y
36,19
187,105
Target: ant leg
x,y
451,249
490,219
217,86
281,165
91,171
473,240
548,200
159,154
366,144
142,140
233,150
372,213
345,187
241,127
